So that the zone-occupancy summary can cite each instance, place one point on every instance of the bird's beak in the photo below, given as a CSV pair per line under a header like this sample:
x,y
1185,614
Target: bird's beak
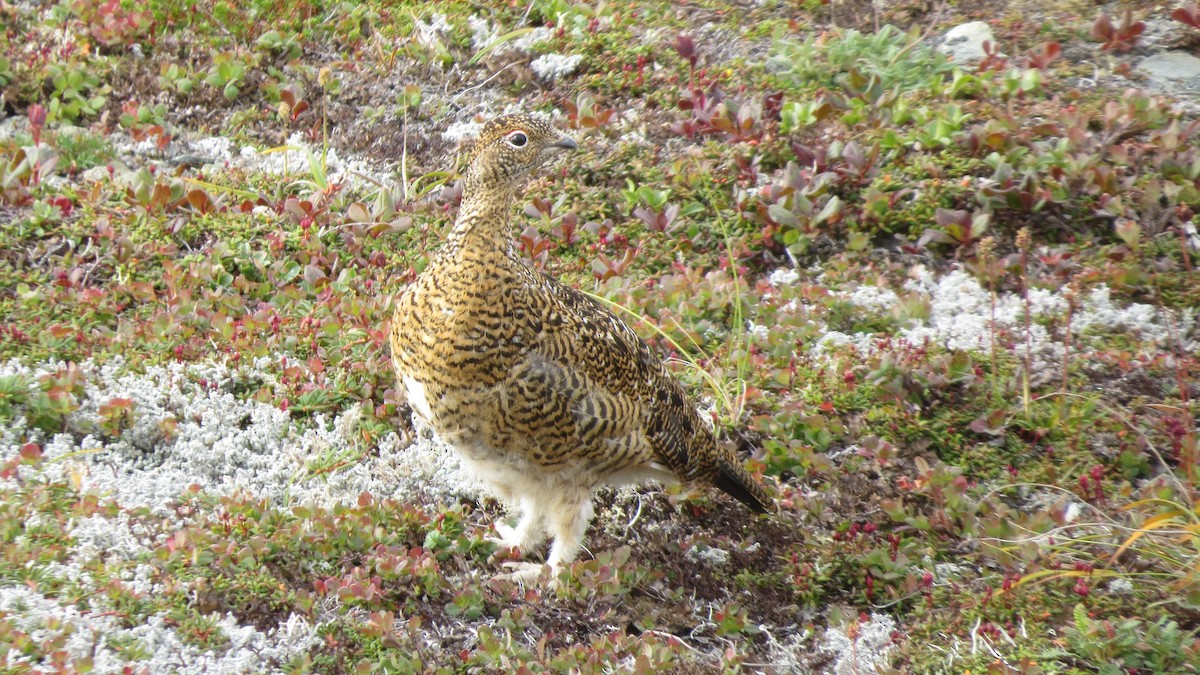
x,y
566,143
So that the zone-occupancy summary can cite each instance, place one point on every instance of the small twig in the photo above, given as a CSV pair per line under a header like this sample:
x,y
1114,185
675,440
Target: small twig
x,y
937,16
404,151
636,515
1023,243
489,79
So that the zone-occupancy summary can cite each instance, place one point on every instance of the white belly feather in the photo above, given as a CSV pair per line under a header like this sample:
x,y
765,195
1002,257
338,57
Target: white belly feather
x,y
416,397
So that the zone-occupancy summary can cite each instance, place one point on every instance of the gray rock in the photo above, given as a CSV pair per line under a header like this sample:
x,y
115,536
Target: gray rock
x,y
1173,70
965,41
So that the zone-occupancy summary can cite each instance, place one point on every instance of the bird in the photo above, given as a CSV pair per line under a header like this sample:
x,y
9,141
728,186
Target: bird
x,y
542,391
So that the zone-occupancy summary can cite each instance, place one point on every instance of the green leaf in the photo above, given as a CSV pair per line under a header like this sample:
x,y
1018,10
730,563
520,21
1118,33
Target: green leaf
x,y
857,241
1031,80
1129,231
291,270
979,224
783,216
831,209
1192,599
412,96
1082,623
269,39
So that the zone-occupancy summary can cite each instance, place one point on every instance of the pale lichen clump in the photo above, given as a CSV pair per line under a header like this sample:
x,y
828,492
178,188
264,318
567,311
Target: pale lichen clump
x,y
861,647
100,636
961,310
222,443
551,67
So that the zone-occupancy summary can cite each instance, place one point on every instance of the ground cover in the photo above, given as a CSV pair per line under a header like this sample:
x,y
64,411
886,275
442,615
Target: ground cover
x,y
948,309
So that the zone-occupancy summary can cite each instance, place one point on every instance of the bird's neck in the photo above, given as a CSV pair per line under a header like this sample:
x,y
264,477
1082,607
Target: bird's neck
x,y
484,217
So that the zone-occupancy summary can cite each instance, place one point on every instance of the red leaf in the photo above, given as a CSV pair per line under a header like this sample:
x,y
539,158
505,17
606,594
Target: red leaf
x,y
31,452
313,274
1188,15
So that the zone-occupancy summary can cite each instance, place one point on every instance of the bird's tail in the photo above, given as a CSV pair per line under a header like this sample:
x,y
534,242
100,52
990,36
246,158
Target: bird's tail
x,y
733,479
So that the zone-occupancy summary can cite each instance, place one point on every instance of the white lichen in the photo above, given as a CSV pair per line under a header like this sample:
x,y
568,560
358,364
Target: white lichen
x,y
99,635
550,67
961,312
1120,586
867,651
709,555
462,131
222,443
219,148
758,331
484,35
784,276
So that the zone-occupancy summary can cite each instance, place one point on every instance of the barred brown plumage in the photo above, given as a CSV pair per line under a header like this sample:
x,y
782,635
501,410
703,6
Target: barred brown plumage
x,y
544,392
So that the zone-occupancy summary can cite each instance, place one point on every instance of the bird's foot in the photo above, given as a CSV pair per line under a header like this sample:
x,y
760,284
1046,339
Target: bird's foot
x,y
529,573
508,537
523,538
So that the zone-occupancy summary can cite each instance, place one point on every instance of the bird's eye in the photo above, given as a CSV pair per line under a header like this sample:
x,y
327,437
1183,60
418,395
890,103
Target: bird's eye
x,y
518,139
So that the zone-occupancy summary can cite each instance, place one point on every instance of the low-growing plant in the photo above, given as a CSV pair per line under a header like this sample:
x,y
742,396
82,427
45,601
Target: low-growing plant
x,y
1119,37
1043,55
711,112
1188,15
940,127
25,170
787,207
292,103
797,115
891,55
1114,646
275,42
685,46
81,151
111,23
703,107
957,228
226,74
6,73
585,113
349,23
659,219
175,78
145,121
535,246
77,93
567,13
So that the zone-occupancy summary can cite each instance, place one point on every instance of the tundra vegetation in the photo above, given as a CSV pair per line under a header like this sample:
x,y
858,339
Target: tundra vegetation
x,y
948,309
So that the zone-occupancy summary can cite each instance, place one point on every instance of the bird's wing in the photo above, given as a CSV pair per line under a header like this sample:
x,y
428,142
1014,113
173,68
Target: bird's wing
x,y
587,379
585,389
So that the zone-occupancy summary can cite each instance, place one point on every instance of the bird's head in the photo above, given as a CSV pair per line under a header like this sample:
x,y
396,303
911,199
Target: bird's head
x,y
510,146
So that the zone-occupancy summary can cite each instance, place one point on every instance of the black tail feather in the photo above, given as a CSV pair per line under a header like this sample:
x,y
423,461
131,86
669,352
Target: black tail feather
x,y
736,482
